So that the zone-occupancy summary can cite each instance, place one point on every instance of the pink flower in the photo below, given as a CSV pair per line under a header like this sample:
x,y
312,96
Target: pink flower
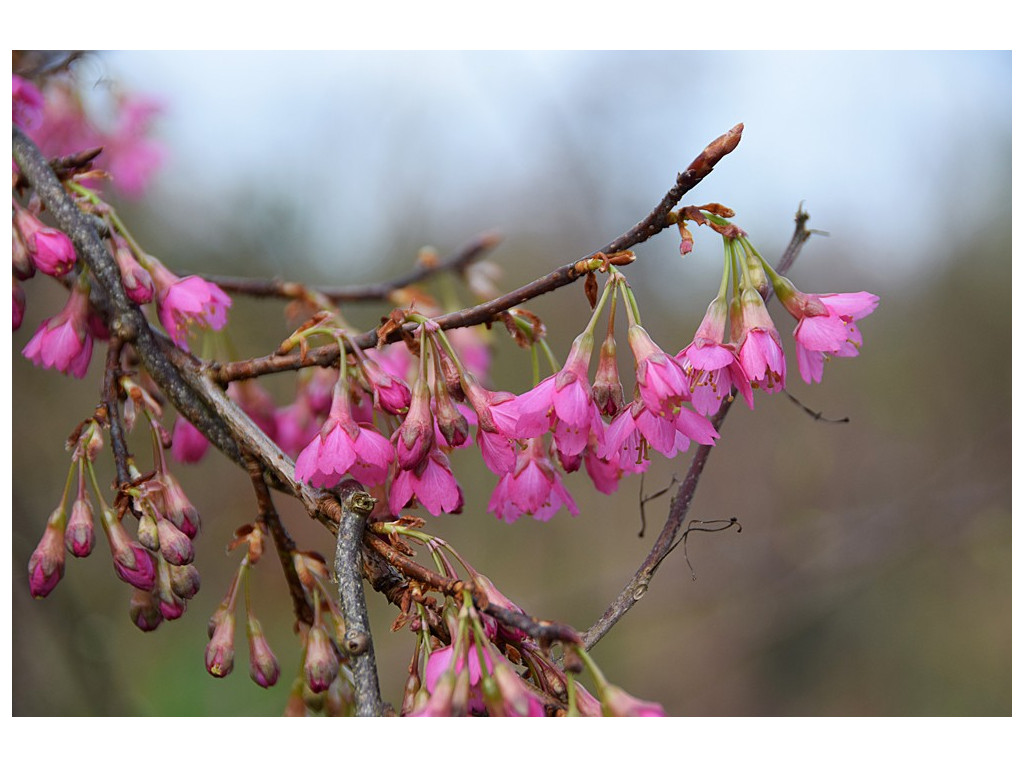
x,y
660,379
415,437
637,426
618,703
182,302
760,349
533,488
50,249
497,415
64,342
431,483
826,326
138,284
713,368
46,565
188,444
390,393
26,103
344,447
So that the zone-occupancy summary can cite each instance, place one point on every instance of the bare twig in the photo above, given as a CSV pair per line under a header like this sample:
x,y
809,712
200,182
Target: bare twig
x,y
274,287
637,586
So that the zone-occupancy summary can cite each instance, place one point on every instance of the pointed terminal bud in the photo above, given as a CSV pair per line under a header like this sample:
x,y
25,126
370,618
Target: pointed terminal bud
x,y
321,665
46,565
80,535
263,667
185,581
144,610
175,546
220,651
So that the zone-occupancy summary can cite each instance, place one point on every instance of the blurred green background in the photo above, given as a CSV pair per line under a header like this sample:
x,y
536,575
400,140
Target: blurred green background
x,y
872,576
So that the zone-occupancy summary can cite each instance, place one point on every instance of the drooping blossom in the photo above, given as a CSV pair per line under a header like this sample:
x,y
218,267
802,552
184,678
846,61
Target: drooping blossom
x,y
532,488
515,698
321,664
220,651
617,703
137,282
431,483
607,388
132,562
414,439
187,301
50,249
826,326
263,666
80,534
760,349
184,581
26,103
188,445
668,436
46,565
64,342
171,606
660,379
497,415
344,447
144,610
711,366
177,507
390,393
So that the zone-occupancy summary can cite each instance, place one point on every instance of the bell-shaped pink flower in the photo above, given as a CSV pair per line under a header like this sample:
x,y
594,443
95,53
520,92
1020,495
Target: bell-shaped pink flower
x,y
711,366
618,703
659,377
344,447
50,249
826,326
415,437
390,393
533,488
64,342
431,483
760,349
187,301
497,415
138,284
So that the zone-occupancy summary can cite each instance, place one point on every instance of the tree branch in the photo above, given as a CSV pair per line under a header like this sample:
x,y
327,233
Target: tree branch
x,y
637,586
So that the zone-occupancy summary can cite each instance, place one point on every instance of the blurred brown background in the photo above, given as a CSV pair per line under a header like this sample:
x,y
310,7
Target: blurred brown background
x,y
872,576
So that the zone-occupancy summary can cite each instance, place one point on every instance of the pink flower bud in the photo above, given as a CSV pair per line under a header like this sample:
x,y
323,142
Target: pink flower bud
x,y
188,443
50,249
148,532
220,651
136,280
415,437
177,508
321,664
263,667
132,563
390,393
80,534
607,386
184,581
46,565
144,610
175,546
618,703
171,606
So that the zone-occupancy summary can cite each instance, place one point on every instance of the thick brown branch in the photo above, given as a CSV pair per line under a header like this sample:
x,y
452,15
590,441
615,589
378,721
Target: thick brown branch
x,y
637,586
657,220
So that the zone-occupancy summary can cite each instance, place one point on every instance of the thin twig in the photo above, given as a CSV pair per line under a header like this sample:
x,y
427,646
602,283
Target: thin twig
x,y
111,402
275,287
356,504
637,586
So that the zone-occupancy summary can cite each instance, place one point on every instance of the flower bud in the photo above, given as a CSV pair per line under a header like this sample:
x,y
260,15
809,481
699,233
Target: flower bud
x,y
80,534
618,703
263,667
220,651
171,606
451,423
46,565
149,532
144,610
136,280
321,661
416,435
607,386
184,581
51,250
132,563
177,507
174,545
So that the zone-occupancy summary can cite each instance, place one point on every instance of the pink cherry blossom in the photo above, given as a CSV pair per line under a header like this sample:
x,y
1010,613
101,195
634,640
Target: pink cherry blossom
x,y
826,327
414,439
390,393
713,368
344,447
187,301
618,703
760,349
132,157
64,342
138,284
533,488
26,103
188,444
497,415
431,483
659,377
